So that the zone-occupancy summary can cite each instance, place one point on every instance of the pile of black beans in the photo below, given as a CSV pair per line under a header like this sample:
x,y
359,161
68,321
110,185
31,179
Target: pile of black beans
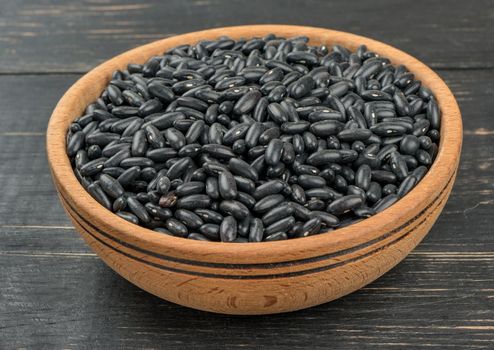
x,y
253,140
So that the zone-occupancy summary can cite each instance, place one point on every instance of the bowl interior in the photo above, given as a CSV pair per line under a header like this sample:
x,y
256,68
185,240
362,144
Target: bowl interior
x,y
89,87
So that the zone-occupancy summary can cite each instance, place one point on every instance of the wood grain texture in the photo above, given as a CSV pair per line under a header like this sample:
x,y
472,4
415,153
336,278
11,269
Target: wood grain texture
x,y
439,297
288,275
61,36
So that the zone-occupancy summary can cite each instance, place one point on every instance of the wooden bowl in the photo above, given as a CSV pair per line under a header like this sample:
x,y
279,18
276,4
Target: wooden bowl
x,y
255,278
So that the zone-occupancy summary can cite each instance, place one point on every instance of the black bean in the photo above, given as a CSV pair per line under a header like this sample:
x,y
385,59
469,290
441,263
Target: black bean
x,y
409,144
158,212
398,165
253,133
311,181
345,204
212,188
138,209
277,214
161,154
97,192
326,128
218,151
268,188
244,184
189,218
117,158
332,156
273,152
92,167
256,230
178,168
194,131
282,225
128,216
385,202
176,227
188,188
268,202
234,208
227,185
277,113
211,231
194,201
228,229
363,177
235,133
75,143
209,216
310,227
175,138
242,168
278,236
433,114
111,186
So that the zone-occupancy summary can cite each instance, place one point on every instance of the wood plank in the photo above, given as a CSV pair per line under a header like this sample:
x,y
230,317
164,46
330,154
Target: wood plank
x,y
62,36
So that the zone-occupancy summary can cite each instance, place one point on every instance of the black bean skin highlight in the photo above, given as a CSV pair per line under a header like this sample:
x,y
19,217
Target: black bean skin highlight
x,y
251,141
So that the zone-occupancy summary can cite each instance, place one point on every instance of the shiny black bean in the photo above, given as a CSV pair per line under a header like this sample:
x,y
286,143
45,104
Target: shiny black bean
x,y
253,134
189,218
363,177
128,216
119,204
276,113
138,209
188,188
326,128
268,188
385,202
310,227
111,186
274,152
332,156
327,219
268,202
235,133
278,236
311,181
234,208
194,201
209,216
256,230
211,231
92,167
76,142
176,227
277,213
178,168
227,185
175,138
228,229
302,87
268,135
345,204
282,225
398,165
97,192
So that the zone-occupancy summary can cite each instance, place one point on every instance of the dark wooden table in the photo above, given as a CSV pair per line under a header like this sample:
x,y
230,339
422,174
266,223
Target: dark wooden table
x,y
55,293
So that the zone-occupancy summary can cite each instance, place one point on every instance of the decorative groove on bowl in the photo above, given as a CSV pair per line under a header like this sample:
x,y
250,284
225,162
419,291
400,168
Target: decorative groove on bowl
x,y
348,255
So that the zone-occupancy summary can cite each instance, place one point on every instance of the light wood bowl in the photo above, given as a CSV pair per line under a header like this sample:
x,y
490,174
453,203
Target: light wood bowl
x,y
255,278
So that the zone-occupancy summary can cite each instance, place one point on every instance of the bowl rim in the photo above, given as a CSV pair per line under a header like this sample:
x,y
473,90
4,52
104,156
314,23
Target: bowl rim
x,y
73,102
